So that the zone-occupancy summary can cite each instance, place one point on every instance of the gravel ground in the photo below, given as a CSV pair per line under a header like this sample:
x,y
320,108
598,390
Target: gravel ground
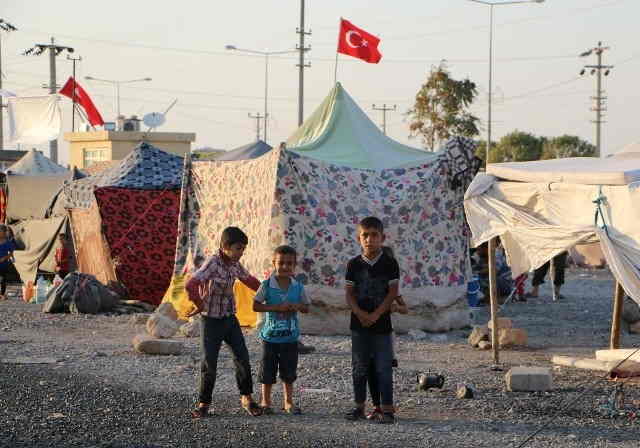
x,y
99,392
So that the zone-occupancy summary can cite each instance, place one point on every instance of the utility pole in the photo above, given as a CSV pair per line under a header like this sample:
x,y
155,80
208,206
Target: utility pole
x,y
4,26
257,117
54,50
384,110
73,95
599,99
301,64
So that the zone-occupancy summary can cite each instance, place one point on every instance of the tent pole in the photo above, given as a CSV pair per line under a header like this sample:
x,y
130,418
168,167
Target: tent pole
x,y
493,292
618,301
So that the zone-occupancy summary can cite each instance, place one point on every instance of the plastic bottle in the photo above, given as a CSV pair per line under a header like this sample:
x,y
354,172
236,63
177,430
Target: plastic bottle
x,y
41,290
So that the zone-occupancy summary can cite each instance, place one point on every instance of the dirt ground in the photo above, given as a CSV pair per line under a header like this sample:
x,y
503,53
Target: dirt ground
x,y
99,392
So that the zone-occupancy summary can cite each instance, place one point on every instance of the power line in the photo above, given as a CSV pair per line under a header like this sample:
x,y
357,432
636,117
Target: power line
x,y
257,117
384,110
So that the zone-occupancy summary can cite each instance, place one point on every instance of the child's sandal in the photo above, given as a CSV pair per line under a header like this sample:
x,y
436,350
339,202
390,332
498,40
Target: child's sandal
x,y
293,410
200,412
252,409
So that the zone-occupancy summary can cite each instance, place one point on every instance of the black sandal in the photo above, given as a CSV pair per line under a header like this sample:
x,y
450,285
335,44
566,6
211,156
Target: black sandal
x,y
200,412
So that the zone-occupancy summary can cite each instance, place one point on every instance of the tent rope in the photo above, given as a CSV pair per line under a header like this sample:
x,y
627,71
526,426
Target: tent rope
x,y
599,215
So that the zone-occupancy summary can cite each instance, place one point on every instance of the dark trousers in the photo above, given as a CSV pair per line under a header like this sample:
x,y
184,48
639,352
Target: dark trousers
x,y
372,380
7,272
214,332
559,263
366,349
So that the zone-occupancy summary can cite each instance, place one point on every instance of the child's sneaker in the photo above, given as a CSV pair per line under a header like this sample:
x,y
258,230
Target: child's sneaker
x,y
386,418
375,414
355,414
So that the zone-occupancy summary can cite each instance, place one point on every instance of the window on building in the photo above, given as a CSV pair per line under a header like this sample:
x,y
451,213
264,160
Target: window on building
x,y
91,156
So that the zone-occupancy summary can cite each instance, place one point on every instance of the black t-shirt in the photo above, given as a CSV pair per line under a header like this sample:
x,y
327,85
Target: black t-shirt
x,y
370,280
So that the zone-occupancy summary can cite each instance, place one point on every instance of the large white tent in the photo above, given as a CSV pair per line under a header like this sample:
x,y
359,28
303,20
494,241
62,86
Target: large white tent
x,y
540,209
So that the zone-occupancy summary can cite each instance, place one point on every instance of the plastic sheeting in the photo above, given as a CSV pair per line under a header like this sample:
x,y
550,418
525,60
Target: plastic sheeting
x,y
29,196
536,221
34,120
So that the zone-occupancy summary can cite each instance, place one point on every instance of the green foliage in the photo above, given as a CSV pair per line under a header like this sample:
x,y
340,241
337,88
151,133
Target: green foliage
x,y
441,108
481,149
567,146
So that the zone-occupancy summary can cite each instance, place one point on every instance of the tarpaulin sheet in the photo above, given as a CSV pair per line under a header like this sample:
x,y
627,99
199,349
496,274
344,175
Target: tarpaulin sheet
x,y
34,120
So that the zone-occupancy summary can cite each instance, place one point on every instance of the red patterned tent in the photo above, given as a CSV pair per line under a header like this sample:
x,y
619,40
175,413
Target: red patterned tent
x,y
124,222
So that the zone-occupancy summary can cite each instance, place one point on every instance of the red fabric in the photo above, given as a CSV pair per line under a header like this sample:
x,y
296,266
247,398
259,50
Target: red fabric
x,y
81,97
141,228
356,42
3,205
62,257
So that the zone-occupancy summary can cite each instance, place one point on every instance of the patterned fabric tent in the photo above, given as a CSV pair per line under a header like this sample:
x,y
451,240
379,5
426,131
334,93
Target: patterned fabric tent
x,y
124,221
314,204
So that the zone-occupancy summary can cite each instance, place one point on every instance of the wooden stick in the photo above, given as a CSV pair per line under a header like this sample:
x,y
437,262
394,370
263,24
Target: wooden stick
x,y
493,293
618,301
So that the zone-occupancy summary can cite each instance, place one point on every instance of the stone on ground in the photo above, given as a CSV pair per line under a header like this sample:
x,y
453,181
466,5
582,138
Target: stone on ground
x,y
630,311
161,326
479,333
191,329
634,328
144,343
512,336
503,322
484,345
529,379
618,354
167,309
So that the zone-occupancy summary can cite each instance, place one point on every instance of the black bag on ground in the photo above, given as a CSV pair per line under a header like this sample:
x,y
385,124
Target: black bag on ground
x,y
80,294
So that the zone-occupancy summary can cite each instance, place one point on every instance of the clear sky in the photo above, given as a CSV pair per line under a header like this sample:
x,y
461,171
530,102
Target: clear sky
x,y
181,46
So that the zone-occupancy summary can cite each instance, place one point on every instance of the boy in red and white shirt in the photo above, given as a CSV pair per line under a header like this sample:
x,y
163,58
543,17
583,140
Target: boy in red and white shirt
x,y
211,291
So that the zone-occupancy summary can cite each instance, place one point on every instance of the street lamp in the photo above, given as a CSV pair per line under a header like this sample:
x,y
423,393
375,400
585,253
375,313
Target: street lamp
x,y
266,55
491,4
117,84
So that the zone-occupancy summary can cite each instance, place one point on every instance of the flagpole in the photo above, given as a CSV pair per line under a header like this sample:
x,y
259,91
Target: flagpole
x,y
335,70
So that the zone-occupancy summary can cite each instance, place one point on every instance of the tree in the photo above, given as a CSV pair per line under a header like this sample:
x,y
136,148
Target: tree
x,y
517,146
481,149
441,108
567,146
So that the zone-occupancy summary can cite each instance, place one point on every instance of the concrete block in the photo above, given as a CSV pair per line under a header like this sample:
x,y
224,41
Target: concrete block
x,y
618,354
503,322
508,337
529,379
161,326
168,310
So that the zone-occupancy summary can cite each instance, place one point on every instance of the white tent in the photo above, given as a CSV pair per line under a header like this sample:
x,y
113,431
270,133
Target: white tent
x,y
540,209
34,163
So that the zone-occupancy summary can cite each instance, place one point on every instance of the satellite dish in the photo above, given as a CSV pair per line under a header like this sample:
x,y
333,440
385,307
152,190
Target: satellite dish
x,y
154,120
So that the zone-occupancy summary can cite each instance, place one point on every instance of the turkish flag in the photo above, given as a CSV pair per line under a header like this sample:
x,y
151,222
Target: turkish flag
x,y
81,97
358,43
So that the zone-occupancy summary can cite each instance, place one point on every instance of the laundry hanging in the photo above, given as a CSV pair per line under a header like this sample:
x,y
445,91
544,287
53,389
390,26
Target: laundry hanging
x,y
34,120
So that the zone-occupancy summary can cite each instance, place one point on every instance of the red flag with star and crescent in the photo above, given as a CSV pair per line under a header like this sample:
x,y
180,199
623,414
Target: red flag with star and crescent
x,y
356,42
82,98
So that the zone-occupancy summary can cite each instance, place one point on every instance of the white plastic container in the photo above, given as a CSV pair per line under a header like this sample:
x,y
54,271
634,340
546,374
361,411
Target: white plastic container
x,y
41,290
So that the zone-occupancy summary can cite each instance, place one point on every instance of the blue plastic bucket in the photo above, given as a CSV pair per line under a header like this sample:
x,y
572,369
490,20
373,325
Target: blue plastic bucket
x,y
473,290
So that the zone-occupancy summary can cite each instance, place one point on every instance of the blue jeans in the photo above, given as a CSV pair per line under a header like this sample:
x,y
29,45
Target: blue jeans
x,y
367,348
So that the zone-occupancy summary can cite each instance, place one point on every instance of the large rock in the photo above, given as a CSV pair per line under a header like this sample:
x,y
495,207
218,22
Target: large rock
x,y
479,333
161,326
529,379
503,322
144,343
508,337
167,309
630,311
191,329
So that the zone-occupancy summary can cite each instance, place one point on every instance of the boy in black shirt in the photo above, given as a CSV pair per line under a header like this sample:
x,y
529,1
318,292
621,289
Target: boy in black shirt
x,y
371,287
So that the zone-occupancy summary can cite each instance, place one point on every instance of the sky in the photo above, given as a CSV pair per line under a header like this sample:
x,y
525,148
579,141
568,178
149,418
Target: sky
x,y
181,46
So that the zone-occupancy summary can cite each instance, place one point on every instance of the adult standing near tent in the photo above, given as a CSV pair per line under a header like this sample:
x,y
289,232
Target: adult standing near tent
x,y
7,246
559,265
